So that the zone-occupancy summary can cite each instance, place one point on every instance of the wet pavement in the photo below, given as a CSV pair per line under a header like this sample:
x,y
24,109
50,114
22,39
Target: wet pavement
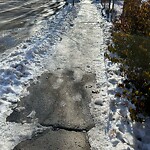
x,y
57,100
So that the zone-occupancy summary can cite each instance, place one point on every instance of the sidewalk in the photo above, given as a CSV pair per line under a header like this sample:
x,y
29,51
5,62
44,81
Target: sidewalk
x,y
60,100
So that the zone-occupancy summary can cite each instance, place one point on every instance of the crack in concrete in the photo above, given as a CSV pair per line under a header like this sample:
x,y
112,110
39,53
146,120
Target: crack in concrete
x,y
57,127
89,22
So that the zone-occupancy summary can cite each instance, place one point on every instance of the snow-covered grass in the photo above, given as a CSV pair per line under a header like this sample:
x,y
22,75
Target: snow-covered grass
x,y
22,65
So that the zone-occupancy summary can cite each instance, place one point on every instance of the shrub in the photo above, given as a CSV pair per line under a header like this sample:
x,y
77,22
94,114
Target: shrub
x,y
135,18
131,42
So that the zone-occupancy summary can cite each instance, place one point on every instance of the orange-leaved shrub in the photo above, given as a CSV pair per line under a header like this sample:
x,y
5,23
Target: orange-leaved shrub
x,y
135,18
131,43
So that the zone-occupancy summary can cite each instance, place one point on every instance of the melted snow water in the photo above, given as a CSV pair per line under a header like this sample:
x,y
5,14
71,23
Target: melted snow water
x,y
19,17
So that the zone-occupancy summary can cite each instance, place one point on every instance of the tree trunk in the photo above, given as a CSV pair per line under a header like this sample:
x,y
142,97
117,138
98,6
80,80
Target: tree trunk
x,y
109,9
104,3
113,11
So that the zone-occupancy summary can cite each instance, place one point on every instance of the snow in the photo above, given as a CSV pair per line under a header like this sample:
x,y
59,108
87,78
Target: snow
x,y
22,65
114,128
118,7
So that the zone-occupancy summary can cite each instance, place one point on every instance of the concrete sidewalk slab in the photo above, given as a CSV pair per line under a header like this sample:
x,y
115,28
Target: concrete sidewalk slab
x,y
56,140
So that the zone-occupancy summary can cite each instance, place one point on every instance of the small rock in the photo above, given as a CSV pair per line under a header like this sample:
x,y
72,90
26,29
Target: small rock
x,y
95,91
24,46
71,24
104,112
115,142
99,102
108,42
29,41
89,86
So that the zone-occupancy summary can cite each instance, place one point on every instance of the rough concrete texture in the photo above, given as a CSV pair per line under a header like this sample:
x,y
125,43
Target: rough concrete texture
x,y
57,101
56,140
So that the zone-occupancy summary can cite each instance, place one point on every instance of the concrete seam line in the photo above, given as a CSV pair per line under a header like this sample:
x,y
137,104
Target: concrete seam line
x,y
56,127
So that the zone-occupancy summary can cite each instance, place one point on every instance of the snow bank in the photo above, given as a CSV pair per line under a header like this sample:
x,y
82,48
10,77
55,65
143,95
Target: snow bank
x,y
22,65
